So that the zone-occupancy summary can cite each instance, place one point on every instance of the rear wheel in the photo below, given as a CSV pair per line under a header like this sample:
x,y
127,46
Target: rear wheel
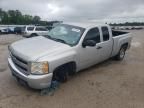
x,y
121,54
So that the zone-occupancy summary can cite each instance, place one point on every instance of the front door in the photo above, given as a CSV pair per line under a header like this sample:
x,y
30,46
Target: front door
x,y
90,55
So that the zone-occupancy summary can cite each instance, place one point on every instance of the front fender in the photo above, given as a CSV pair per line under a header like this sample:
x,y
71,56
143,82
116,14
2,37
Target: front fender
x,y
59,59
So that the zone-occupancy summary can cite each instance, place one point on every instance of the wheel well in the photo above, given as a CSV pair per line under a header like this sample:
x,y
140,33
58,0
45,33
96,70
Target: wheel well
x,y
34,34
125,45
71,66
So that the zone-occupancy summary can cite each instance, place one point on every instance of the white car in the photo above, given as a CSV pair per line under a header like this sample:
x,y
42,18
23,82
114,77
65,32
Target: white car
x,y
3,30
31,31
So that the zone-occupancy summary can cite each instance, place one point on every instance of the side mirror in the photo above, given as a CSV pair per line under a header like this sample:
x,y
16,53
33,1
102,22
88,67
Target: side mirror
x,y
90,43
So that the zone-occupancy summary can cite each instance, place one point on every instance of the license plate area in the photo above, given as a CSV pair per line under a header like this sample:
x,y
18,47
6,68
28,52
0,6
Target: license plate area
x,y
21,81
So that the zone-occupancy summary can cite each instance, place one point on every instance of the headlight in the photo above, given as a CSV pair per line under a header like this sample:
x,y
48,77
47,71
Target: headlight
x,y
39,68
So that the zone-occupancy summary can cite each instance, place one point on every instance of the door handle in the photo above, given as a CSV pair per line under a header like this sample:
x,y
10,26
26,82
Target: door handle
x,y
98,47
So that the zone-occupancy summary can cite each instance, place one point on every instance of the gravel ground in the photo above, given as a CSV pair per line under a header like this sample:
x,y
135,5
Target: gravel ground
x,y
111,84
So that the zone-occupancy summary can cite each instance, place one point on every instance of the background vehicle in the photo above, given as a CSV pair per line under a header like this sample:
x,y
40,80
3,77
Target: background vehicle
x,y
68,48
31,31
18,30
10,30
3,31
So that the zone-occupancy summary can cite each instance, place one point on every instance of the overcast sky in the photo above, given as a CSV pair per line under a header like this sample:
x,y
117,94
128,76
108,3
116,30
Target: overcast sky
x,y
80,10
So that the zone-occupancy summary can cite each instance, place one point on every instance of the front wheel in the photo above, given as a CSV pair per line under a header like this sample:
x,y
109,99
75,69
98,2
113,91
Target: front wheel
x,y
61,74
121,54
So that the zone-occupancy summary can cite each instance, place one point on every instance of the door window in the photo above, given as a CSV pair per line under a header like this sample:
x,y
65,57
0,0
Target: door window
x,y
93,34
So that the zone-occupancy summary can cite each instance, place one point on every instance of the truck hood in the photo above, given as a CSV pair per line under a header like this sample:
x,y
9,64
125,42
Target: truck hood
x,y
33,48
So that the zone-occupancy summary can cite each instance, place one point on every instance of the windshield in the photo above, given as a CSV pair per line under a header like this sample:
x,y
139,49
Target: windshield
x,y
67,34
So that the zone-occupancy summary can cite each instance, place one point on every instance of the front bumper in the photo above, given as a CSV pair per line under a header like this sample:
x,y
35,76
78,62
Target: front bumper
x,y
33,81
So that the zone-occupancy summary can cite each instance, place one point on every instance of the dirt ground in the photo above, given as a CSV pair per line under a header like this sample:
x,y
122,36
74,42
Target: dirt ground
x,y
111,84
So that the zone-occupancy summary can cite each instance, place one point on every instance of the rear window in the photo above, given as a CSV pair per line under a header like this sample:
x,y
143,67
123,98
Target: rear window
x,y
30,28
105,33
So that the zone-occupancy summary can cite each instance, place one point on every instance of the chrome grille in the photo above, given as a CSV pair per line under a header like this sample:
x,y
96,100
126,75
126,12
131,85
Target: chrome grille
x,y
21,64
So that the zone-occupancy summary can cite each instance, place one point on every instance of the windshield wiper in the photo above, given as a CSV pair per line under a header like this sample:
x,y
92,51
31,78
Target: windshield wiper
x,y
55,39
60,40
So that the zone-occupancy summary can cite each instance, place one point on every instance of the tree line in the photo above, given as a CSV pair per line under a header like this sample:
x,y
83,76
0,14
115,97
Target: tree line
x,y
17,18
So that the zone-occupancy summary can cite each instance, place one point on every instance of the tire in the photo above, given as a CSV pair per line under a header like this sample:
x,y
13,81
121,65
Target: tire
x,y
33,35
120,56
61,74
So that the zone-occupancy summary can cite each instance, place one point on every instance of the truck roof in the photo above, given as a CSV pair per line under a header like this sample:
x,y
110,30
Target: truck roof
x,y
85,24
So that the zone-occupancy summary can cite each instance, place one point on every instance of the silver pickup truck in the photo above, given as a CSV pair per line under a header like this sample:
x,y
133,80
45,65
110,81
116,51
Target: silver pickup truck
x,y
65,50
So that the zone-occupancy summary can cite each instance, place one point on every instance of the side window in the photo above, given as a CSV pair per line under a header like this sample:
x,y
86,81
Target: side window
x,y
40,29
93,34
44,29
30,28
105,33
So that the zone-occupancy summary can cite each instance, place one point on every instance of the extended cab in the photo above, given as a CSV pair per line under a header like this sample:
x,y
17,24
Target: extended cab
x,y
67,49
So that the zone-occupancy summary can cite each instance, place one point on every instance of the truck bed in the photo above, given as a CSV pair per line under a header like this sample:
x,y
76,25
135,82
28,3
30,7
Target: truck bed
x,y
119,38
118,33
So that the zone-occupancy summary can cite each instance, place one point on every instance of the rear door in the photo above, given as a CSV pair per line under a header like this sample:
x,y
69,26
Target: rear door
x,y
41,30
106,44
44,31
38,30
